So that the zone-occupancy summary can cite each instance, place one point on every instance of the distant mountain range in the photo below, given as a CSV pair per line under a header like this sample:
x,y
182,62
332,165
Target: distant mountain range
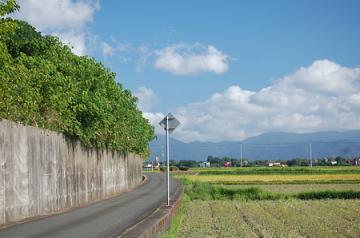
x,y
271,146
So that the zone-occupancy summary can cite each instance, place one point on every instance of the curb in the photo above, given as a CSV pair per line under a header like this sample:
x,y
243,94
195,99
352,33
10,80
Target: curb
x,y
159,220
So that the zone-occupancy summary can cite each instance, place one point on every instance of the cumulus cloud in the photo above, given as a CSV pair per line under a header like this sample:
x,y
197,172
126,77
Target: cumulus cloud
x,y
183,59
66,19
323,96
146,98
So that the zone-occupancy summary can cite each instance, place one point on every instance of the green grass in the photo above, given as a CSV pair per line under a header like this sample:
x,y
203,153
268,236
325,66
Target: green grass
x,y
290,182
302,187
206,191
177,220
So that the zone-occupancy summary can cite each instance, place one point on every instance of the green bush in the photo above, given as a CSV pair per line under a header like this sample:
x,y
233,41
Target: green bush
x,y
183,168
173,168
43,84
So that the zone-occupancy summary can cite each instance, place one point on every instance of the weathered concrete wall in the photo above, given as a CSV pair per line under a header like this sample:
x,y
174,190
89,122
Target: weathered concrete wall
x,y
41,172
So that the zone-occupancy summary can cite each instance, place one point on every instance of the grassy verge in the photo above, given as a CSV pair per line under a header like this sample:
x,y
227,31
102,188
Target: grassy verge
x,y
177,220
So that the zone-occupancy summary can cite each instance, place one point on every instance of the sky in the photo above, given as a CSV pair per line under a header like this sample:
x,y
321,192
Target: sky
x,y
227,70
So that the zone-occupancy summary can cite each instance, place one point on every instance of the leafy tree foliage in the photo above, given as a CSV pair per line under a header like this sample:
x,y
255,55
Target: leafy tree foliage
x,y
42,83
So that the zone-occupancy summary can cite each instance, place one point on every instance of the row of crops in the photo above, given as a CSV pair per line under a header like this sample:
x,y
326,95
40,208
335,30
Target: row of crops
x,y
267,204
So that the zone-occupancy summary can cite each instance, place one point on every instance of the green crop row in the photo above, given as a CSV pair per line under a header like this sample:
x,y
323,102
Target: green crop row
x,y
206,191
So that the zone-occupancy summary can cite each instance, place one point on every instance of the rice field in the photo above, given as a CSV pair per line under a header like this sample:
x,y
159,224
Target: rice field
x,y
292,218
323,169
274,178
296,202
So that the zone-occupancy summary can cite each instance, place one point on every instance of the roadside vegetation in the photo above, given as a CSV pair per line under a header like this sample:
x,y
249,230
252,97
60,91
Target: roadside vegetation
x,y
43,84
259,202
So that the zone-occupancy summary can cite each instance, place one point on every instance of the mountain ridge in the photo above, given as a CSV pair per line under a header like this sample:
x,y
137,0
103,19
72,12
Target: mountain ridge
x,y
272,146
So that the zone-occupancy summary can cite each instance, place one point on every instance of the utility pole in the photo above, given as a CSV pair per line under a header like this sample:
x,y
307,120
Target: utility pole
x,y
310,150
241,155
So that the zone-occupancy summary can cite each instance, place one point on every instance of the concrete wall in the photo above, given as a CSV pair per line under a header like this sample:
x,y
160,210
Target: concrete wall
x,y
41,172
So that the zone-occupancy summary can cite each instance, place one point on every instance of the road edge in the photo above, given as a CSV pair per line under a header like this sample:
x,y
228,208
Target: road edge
x,y
159,220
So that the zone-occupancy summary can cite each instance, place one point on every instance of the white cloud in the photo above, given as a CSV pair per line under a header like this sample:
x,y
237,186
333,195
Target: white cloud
x,y
106,49
144,54
66,19
323,96
120,46
146,98
183,59
73,38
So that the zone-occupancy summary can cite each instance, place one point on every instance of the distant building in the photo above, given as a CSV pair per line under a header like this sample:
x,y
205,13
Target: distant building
x,y
147,165
151,165
275,164
227,164
356,161
204,164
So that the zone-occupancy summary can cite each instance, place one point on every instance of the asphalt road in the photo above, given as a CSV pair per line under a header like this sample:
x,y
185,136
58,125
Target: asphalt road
x,y
108,218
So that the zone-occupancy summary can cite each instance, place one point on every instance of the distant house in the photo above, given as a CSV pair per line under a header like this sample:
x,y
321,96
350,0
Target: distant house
x,y
356,161
204,164
275,164
333,162
227,164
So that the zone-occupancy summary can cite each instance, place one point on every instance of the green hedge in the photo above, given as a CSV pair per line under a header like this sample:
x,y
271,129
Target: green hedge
x,y
43,84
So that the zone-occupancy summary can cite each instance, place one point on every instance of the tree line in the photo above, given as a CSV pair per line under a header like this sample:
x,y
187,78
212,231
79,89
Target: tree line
x,y
236,162
43,84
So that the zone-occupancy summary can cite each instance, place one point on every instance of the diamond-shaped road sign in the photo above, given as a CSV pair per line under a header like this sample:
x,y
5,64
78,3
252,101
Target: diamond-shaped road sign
x,y
172,122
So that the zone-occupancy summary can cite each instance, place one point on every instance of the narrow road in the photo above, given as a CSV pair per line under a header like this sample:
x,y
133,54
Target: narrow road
x,y
108,218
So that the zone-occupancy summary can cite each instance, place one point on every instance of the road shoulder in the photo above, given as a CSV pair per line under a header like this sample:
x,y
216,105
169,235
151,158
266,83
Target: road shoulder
x,y
159,220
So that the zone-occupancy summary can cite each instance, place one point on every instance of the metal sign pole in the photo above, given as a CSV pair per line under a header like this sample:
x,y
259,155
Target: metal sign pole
x,y
169,123
241,155
167,161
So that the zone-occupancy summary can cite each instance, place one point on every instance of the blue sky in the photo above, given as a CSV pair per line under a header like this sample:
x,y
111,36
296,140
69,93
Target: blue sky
x,y
243,64
264,40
